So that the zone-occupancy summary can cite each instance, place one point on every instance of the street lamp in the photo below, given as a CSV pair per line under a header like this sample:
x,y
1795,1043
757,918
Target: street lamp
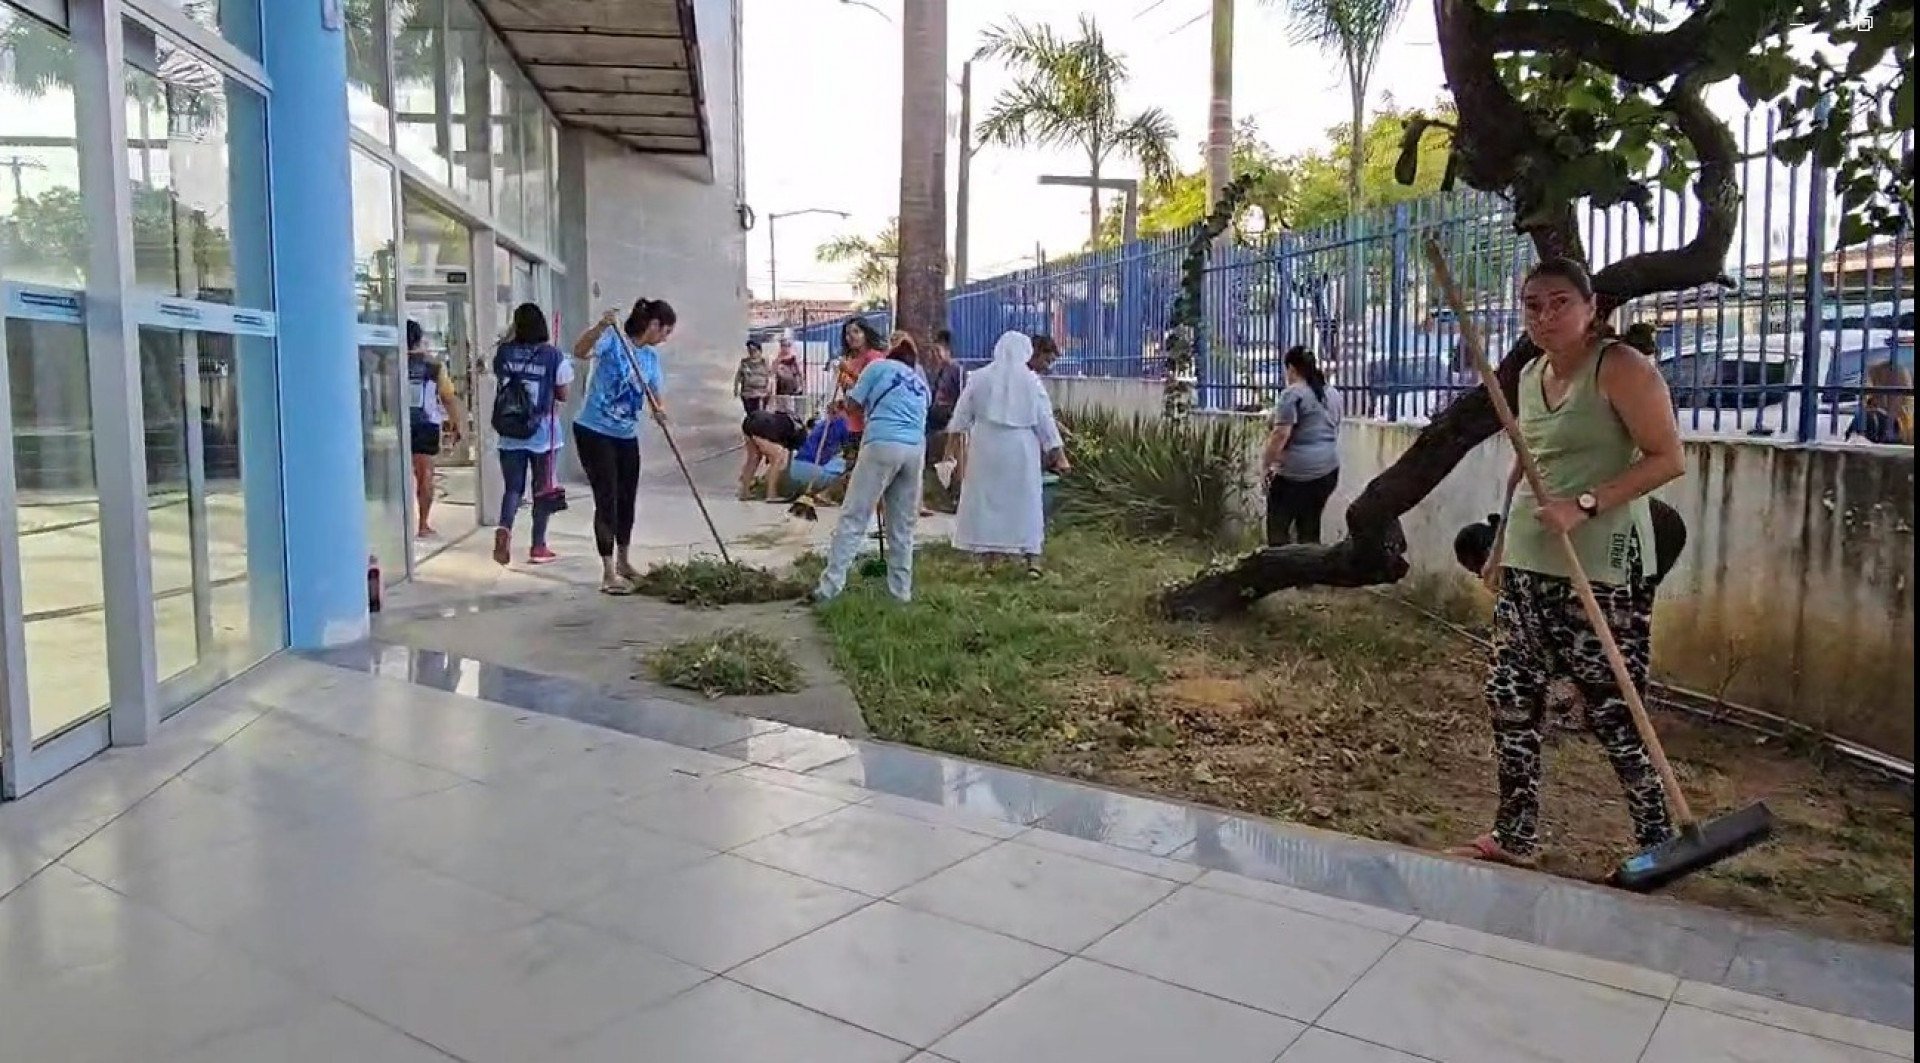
x,y
773,247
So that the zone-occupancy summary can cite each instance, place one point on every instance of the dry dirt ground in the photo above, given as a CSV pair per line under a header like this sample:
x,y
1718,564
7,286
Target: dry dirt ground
x,y
1341,709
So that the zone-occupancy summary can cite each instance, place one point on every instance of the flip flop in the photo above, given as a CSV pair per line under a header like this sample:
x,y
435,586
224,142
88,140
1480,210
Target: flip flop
x,y
1486,850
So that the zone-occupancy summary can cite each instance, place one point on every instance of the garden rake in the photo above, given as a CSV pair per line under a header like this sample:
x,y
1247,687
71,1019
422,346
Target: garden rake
x,y
653,405
1699,843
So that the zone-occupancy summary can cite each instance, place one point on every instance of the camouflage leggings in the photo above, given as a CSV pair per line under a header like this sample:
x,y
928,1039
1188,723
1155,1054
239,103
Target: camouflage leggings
x,y
1540,634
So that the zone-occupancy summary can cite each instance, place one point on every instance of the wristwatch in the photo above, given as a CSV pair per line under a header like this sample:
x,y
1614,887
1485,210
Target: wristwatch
x,y
1589,503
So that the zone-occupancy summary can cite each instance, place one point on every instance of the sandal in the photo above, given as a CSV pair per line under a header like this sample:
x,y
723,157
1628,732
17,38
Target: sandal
x,y
616,586
1035,572
1487,850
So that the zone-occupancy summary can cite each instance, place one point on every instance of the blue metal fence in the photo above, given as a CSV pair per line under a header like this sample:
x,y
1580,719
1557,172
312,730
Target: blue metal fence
x,y
1802,338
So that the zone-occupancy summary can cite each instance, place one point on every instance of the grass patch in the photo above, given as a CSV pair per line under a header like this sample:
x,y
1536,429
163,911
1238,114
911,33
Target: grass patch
x,y
729,663
1341,709
708,583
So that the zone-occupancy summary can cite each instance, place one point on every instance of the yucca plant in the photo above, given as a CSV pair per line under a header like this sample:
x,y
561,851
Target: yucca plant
x,y
1151,477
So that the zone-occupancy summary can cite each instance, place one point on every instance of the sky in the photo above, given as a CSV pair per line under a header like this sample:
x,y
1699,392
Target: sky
x,y
822,115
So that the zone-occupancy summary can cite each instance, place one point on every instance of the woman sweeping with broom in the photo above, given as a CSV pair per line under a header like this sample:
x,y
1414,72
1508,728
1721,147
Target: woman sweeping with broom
x,y
607,428
1596,415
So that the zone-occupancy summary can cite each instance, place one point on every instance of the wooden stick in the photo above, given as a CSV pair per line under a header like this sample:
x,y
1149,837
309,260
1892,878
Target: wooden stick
x,y
653,406
1476,349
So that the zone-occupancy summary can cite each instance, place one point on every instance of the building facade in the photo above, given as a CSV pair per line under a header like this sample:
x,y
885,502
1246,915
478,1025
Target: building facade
x,y
216,219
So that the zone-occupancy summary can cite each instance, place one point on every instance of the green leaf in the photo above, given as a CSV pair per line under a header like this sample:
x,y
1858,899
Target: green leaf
x,y
1854,229
1903,102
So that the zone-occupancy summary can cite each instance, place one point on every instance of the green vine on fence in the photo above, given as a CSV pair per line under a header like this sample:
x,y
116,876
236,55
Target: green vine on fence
x,y
1183,323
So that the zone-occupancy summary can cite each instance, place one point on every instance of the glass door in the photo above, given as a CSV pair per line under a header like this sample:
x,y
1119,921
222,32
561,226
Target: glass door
x,y
53,640
445,317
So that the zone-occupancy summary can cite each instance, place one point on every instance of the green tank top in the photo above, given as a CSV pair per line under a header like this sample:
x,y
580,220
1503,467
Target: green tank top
x,y
1579,445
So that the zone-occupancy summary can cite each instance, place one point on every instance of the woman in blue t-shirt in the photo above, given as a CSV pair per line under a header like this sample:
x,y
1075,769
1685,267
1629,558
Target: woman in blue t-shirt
x,y
891,397
626,378
527,357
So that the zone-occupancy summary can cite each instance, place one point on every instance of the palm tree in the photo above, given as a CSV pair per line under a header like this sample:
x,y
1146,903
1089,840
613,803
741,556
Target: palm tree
x,y
1066,95
921,268
1355,31
874,260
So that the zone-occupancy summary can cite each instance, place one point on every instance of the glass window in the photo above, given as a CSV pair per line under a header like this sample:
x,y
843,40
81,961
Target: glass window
x,y
43,241
420,84
382,395
503,81
209,388
533,167
369,97
43,228
236,20
553,183
468,91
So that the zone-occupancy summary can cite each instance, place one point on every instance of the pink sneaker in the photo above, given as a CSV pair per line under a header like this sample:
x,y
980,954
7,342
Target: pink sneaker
x,y
541,555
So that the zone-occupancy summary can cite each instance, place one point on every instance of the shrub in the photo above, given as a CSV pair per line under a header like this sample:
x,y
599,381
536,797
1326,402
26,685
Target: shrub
x,y
1148,476
728,663
707,583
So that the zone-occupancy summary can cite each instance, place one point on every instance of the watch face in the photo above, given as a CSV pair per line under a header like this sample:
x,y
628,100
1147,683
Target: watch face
x,y
1589,503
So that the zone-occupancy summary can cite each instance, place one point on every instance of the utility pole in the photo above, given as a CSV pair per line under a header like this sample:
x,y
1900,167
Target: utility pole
x,y
921,304
963,198
1220,114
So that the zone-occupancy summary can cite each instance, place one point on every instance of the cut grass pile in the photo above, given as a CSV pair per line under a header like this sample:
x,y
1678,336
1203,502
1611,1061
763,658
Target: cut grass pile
x,y
732,662
708,583
1341,709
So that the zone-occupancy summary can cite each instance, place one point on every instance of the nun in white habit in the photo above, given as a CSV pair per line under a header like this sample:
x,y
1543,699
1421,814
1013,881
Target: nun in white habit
x,y
1010,433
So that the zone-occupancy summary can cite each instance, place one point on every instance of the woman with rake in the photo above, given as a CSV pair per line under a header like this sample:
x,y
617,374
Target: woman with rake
x,y
1597,417
626,373
891,399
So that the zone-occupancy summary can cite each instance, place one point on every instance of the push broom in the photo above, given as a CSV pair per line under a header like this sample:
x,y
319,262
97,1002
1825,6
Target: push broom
x,y
1699,843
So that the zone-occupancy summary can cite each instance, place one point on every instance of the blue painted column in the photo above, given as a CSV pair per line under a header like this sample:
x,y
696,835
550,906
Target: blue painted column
x,y
319,364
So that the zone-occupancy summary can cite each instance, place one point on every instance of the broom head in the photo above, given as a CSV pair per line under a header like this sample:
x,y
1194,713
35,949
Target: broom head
x,y
1697,846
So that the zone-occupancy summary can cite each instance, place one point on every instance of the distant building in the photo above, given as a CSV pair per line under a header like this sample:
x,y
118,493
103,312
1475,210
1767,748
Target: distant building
x,y
765,314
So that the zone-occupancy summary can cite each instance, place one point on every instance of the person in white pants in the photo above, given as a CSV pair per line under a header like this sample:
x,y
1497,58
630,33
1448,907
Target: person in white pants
x,y
892,396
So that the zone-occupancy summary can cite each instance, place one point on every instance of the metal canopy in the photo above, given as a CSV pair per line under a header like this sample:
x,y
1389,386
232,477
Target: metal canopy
x,y
628,69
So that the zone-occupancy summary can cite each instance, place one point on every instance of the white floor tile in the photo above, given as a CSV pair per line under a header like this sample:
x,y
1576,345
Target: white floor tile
x,y
861,849
516,995
1282,960
905,974
724,811
1083,1011
719,913
1321,1046
724,1022
1460,1008
1692,1035
1062,902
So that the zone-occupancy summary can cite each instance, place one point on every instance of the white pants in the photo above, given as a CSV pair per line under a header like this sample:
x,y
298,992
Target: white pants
x,y
886,473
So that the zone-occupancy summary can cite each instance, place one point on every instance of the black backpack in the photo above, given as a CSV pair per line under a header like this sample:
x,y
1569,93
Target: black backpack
x,y
515,414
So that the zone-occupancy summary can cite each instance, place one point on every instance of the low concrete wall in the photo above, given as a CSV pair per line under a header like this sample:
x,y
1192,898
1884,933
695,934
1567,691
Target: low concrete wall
x,y
1794,595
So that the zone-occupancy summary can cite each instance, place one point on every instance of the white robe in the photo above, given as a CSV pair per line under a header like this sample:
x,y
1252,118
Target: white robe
x,y
1000,498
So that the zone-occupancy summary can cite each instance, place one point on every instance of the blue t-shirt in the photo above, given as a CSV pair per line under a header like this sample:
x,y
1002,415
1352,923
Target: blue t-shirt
x,y
894,399
535,366
614,400
823,444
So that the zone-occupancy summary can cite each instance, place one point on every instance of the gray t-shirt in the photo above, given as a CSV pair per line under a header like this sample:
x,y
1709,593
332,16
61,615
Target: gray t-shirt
x,y
1313,450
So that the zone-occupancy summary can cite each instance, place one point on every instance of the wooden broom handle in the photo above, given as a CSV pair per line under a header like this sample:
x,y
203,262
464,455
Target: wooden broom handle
x,y
1583,587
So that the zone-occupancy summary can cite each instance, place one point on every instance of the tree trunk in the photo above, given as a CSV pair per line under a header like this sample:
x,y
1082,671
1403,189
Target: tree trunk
x,y
1356,293
920,307
1220,113
1375,549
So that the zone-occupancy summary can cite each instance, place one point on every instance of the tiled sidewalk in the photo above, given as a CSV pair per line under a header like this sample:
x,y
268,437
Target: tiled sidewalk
x,y
339,862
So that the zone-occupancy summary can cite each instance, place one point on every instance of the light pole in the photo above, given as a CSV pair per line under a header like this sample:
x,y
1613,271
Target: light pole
x,y
773,246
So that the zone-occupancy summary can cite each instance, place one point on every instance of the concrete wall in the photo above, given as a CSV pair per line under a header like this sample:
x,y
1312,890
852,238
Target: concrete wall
x,y
667,227
1794,595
